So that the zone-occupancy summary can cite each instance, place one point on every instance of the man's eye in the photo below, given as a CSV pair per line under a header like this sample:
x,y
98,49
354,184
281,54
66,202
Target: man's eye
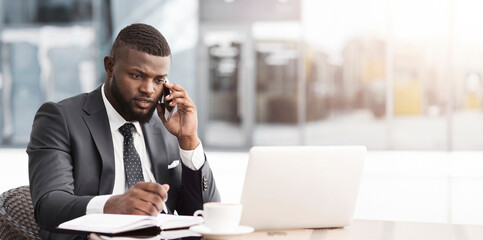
x,y
160,80
136,76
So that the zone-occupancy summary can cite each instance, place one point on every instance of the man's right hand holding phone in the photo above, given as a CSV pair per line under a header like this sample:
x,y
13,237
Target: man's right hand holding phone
x,y
184,122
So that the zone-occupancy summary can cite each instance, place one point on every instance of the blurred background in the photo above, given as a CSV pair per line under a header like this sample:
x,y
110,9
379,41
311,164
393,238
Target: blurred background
x,y
402,77
388,74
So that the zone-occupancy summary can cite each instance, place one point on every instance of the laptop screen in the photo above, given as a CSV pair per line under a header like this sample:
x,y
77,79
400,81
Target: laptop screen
x,y
301,186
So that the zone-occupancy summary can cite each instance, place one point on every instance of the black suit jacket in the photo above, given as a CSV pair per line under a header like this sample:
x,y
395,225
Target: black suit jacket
x,y
71,160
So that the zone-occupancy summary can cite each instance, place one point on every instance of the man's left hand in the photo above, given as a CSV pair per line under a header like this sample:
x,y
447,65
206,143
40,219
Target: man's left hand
x,y
184,122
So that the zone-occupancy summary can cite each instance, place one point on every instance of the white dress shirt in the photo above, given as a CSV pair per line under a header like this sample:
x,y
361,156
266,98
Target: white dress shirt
x,y
193,159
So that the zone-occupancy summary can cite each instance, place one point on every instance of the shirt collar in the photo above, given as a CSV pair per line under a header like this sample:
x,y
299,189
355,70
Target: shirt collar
x,y
115,119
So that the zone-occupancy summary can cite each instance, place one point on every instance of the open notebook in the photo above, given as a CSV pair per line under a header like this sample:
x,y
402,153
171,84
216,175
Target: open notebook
x,y
112,224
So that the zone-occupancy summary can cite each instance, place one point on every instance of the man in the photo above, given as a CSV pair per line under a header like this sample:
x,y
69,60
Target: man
x,y
105,152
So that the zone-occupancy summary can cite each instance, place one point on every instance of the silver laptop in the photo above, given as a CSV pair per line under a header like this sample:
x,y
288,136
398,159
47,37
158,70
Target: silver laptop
x,y
301,187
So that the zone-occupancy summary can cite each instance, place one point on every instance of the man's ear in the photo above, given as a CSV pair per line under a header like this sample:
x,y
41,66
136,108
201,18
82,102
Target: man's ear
x,y
108,66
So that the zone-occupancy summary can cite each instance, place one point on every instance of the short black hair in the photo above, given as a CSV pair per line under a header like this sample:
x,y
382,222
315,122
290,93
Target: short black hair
x,y
141,37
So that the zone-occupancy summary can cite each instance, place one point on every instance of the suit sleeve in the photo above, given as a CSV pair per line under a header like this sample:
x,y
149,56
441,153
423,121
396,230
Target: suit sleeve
x,y
51,170
197,187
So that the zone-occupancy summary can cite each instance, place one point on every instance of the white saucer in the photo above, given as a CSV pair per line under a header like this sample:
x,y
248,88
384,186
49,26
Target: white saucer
x,y
207,233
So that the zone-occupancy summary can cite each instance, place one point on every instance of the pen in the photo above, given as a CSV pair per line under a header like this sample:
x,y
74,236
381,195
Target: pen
x,y
152,179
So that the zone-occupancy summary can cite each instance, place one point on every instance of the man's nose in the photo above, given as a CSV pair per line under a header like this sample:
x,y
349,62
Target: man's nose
x,y
147,87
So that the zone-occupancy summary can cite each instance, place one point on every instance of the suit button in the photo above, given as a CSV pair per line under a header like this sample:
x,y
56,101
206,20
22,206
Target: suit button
x,y
205,183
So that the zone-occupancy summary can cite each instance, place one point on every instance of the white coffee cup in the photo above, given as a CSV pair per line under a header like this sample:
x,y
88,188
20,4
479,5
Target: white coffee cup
x,y
221,217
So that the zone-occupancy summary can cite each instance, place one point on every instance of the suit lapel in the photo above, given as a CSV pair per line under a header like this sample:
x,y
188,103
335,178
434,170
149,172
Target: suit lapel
x,y
98,124
156,147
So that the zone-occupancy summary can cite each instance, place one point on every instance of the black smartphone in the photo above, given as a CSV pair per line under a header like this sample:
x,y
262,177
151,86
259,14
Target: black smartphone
x,y
168,110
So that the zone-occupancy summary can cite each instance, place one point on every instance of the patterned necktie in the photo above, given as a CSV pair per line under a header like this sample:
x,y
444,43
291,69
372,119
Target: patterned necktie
x,y
132,161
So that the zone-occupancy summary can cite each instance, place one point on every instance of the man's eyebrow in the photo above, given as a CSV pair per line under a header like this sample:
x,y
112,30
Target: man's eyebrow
x,y
145,74
140,72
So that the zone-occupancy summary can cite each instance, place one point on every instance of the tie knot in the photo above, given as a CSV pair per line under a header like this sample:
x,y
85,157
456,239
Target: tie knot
x,y
126,129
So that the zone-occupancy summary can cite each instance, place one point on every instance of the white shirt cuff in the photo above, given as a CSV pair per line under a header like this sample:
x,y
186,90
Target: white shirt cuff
x,y
96,204
193,159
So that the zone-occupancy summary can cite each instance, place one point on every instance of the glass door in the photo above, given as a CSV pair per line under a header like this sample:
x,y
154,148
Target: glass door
x,y
225,115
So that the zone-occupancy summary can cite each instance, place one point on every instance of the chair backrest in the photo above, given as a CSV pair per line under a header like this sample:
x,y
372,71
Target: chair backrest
x,y
17,215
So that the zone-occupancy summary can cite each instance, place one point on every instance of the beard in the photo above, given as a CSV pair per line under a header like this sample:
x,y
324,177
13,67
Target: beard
x,y
126,107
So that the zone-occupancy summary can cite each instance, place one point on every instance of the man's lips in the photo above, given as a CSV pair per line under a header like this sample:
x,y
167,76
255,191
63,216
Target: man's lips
x,y
143,103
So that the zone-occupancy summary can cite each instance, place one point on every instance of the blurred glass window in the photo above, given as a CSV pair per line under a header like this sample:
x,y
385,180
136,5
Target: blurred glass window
x,y
22,93
21,12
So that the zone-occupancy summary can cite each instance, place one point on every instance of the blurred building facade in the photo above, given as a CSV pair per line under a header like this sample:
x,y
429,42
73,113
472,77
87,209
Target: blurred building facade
x,y
48,51
255,78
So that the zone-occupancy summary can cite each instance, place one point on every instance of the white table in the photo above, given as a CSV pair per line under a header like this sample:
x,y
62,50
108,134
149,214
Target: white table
x,y
371,230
